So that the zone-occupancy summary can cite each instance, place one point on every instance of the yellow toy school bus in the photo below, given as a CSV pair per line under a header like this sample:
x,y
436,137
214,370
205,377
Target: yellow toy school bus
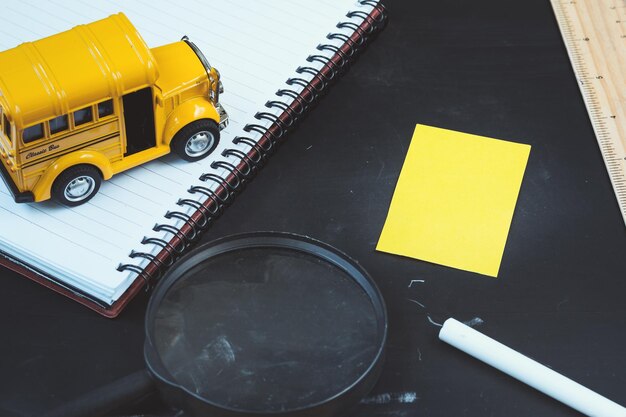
x,y
85,104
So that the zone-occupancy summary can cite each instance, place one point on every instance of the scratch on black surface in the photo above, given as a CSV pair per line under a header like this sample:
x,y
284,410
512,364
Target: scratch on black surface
x,y
413,281
391,397
433,321
416,302
380,171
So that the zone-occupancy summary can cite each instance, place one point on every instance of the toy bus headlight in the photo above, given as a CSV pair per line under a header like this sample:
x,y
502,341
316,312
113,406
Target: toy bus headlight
x,y
220,87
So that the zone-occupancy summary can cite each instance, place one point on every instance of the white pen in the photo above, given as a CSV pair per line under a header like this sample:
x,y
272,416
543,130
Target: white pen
x,y
528,371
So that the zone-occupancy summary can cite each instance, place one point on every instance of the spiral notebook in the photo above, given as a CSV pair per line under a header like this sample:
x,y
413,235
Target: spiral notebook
x,y
276,58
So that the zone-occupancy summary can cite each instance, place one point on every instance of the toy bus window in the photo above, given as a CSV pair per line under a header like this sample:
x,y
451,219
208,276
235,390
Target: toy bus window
x,y
105,108
58,124
33,133
7,127
83,116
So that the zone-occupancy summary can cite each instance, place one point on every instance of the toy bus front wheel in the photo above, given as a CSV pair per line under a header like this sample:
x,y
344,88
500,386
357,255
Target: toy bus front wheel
x,y
76,185
197,140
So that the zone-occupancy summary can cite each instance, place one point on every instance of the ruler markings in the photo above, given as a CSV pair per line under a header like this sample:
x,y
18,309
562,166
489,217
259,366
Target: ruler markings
x,y
595,38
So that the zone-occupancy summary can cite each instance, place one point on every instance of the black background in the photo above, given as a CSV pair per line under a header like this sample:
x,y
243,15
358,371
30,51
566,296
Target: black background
x,y
489,67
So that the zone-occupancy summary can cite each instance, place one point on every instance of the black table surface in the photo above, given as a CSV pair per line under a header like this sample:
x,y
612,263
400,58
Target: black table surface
x,y
488,67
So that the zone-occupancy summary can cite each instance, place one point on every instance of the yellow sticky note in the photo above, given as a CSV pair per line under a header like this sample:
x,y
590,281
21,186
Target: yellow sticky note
x,y
454,199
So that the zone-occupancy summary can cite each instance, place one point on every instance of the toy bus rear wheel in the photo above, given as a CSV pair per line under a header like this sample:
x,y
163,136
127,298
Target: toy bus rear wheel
x,y
76,185
197,140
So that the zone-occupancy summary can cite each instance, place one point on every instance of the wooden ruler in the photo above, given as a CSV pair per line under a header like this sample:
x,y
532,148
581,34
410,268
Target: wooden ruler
x,y
594,32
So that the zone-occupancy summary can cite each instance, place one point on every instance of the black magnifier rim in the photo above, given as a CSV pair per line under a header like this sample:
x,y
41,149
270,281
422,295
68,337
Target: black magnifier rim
x,y
329,406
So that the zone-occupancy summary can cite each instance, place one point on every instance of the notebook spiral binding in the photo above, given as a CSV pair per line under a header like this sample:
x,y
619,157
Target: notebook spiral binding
x,y
226,186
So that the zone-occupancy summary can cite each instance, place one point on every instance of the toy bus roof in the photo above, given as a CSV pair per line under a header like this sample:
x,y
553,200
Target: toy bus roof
x,y
67,71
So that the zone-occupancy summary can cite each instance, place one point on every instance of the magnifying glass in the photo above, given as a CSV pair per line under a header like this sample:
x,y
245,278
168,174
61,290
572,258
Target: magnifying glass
x,y
256,324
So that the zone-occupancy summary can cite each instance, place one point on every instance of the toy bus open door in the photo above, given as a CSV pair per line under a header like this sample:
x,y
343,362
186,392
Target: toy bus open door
x,y
83,105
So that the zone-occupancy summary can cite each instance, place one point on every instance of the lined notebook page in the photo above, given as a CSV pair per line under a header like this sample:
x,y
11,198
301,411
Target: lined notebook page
x,y
256,45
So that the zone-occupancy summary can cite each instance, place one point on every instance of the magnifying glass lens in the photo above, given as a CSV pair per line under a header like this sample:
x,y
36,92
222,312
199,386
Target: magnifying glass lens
x,y
266,330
